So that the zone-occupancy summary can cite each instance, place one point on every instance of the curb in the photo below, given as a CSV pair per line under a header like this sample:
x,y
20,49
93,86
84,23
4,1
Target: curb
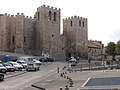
x,y
15,75
38,87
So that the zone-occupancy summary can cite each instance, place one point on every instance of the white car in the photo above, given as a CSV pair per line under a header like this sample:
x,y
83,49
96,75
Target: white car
x,y
27,59
16,65
32,67
37,62
22,62
72,61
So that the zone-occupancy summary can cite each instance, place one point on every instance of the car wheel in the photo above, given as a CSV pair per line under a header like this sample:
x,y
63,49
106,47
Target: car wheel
x,y
27,70
38,68
2,78
12,70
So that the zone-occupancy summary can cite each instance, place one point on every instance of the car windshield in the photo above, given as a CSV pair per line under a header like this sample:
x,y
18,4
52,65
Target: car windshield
x,y
1,65
14,63
30,59
30,64
7,64
23,62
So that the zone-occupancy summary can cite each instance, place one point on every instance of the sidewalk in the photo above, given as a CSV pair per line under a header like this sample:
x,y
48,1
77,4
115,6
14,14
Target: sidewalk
x,y
55,81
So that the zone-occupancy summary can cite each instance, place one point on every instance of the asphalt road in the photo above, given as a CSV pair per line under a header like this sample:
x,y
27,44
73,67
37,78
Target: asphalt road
x,y
24,81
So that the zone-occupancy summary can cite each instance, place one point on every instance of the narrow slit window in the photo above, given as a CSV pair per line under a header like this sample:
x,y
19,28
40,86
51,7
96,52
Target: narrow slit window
x,y
80,23
38,16
71,23
54,16
24,39
83,23
13,39
49,16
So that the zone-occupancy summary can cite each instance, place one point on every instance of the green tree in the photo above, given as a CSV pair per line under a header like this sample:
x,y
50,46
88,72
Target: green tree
x,y
118,48
110,49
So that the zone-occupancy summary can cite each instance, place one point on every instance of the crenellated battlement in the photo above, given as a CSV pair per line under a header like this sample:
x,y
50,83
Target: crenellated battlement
x,y
48,7
75,17
27,17
97,41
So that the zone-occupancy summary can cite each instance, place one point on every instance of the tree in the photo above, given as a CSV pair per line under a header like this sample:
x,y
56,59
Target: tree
x,y
110,49
118,48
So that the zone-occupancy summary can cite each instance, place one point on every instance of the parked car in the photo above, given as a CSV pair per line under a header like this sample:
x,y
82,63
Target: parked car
x,y
2,68
73,61
47,59
68,58
16,65
1,76
9,67
1,61
27,59
37,62
22,62
32,67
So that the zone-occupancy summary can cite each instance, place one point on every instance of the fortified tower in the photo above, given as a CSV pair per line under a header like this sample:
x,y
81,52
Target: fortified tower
x,y
5,32
48,31
17,33
21,34
76,33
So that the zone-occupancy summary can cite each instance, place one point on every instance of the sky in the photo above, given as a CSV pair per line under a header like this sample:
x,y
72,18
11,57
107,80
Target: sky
x,y
103,15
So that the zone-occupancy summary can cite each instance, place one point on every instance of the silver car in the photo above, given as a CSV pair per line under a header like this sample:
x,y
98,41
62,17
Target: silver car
x,y
17,66
32,67
22,62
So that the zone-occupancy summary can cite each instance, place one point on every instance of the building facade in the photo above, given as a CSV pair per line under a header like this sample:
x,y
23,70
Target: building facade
x,y
41,34
48,38
95,50
76,34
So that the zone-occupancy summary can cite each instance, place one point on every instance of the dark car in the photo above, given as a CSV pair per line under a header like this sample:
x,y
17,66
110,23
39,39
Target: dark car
x,y
68,58
1,76
47,59
2,68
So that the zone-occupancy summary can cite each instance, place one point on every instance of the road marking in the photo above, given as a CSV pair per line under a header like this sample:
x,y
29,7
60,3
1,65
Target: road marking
x,y
86,82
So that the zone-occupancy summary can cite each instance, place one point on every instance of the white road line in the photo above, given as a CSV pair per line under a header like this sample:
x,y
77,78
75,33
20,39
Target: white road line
x,y
86,82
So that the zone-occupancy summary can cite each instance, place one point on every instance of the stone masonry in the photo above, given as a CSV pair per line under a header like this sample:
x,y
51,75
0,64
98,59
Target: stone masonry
x,y
41,34
76,33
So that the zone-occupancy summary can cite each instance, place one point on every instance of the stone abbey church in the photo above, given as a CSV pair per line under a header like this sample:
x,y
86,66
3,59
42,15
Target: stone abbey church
x,y
41,34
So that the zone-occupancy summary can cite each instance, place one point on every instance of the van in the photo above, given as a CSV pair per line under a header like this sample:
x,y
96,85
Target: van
x,y
27,59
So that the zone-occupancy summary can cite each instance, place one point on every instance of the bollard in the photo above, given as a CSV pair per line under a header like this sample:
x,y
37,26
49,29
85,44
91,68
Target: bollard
x,y
80,69
66,87
61,75
61,88
71,84
58,70
67,77
64,76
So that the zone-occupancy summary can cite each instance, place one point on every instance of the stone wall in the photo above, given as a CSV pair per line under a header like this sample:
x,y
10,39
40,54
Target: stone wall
x,y
76,33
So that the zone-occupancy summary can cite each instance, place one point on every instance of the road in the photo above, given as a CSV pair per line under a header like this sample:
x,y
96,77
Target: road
x,y
24,81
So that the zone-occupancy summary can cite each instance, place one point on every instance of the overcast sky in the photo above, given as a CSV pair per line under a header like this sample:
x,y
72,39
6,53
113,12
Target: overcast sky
x,y
103,15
